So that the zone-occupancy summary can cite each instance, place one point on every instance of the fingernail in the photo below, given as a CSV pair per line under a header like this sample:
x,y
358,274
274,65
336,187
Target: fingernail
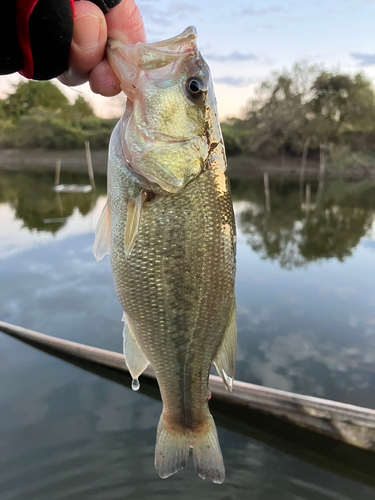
x,y
86,31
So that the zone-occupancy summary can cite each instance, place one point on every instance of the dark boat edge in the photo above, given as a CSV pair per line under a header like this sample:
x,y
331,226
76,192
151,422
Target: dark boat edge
x,y
320,431
351,424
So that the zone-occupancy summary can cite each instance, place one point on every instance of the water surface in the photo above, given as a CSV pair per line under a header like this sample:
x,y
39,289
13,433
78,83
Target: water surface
x,y
306,298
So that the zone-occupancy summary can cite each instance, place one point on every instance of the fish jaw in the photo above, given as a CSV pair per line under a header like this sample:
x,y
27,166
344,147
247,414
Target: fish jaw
x,y
167,135
128,60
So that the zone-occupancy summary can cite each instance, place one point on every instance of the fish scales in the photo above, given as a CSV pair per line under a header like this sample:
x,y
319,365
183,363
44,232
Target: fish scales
x,y
174,289
169,228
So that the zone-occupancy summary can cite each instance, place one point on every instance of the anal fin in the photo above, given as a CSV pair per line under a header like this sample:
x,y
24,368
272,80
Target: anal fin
x,y
103,234
225,360
133,220
135,359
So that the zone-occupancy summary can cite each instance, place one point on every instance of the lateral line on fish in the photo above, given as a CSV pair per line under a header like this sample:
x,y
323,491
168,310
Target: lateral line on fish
x,y
184,377
203,211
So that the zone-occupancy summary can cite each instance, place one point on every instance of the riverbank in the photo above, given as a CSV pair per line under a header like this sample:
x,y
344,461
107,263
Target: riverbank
x,y
75,161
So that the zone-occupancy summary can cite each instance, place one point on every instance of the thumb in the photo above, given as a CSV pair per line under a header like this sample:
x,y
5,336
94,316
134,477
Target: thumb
x,y
88,45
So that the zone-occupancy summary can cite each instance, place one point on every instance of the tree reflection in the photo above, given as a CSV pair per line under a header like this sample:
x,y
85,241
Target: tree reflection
x,y
289,233
35,203
295,236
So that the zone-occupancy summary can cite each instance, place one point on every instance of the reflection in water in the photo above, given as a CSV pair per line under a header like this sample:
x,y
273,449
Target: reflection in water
x,y
295,233
38,206
67,434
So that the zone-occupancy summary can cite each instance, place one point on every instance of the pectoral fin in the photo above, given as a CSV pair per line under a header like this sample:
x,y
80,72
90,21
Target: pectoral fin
x,y
226,356
133,220
135,360
103,234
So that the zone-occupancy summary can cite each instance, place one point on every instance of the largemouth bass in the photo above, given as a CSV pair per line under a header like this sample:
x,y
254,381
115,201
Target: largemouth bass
x,y
169,229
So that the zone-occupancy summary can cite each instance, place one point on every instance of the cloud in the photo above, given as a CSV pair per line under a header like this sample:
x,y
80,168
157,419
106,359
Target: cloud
x,y
364,59
165,17
234,82
234,57
276,9
181,7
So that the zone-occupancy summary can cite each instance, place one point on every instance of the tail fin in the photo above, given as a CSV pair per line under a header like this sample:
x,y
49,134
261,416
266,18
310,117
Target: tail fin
x,y
172,451
208,459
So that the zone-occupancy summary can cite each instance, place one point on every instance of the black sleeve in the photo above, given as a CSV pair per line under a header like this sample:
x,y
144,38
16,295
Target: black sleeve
x,y
35,36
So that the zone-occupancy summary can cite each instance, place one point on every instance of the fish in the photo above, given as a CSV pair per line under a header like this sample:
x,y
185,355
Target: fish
x,y
168,226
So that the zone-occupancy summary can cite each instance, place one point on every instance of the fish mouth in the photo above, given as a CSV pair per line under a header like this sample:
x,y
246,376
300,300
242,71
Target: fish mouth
x,y
128,61
154,147
149,53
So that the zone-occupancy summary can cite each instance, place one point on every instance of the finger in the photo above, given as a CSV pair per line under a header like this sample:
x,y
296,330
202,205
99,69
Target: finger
x,y
103,80
88,46
125,23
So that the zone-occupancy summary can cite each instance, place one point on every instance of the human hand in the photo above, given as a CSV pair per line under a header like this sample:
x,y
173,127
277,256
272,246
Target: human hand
x,y
87,61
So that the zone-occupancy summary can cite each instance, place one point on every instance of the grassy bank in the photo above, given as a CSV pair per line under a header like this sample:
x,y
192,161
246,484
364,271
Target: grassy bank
x,y
242,165
45,160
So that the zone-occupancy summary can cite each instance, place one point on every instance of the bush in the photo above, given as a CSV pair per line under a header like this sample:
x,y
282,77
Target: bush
x,y
231,141
7,128
342,158
43,129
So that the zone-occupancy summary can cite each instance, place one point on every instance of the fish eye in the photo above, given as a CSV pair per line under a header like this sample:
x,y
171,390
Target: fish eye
x,y
195,87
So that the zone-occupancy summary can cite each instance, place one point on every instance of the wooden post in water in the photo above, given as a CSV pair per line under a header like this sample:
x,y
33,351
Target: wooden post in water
x,y
308,198
60,205
89,164
57,172
303,165
267,192
322,170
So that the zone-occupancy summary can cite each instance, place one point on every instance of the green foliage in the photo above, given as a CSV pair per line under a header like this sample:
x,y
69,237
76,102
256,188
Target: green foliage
x,y
294,237
34,201
231,140
44,129
7,129
306,102
78,111
344,158
34,95
38,115
289,107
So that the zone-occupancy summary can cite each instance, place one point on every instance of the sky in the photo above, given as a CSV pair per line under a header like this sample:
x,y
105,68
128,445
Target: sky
x,y
244,41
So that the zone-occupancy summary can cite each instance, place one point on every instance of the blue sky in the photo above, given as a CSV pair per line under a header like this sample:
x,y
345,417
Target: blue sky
x,y
244,41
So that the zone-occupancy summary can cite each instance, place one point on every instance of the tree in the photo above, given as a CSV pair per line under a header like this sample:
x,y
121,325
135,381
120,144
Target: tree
x,y
360,105
329,104
280,119
341,102
308,107
79,110
38,115
281,111
34,95
288,236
